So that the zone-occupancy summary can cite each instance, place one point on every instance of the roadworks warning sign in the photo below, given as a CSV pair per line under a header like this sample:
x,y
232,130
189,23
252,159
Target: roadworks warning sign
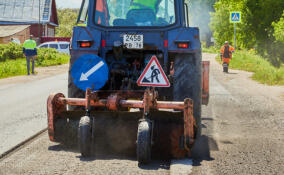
x,y
153,75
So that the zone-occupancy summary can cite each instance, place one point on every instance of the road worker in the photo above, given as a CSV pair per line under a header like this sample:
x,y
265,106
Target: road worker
x,y
226,54
30,51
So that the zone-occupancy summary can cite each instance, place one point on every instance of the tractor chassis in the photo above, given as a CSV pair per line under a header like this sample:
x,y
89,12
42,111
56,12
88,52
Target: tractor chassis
x,y
57,104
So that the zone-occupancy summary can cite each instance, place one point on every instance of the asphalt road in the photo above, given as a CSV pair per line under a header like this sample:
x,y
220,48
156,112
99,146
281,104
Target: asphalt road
x,y
242,133
23,107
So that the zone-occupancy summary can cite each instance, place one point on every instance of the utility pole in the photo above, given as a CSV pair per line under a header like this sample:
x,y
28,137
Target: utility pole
x,y
235,45
235,17
39,21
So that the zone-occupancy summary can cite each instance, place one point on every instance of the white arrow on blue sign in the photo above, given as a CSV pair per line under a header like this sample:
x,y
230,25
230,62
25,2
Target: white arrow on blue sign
x,y
89,71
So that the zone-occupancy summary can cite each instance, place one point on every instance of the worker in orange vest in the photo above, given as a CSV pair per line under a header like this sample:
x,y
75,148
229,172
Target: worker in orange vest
x,y
226,55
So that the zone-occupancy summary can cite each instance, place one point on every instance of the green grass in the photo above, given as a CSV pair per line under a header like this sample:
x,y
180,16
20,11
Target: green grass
x,y
263,71
18,66
210,50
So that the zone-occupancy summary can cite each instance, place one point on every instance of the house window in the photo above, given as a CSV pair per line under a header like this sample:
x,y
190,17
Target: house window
x,y
50,32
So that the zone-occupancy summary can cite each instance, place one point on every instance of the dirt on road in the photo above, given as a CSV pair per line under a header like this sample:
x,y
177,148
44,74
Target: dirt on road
x,y
245,120
242,133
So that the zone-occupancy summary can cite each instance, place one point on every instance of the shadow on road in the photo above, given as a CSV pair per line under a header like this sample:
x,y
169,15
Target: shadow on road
x,y
231,73
202,148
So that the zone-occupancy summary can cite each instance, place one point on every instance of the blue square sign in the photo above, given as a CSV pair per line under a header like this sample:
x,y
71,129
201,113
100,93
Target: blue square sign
x,y
235,17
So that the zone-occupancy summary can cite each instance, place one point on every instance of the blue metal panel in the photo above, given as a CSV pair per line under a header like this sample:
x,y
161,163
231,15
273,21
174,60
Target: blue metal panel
x,y
184,34
86,34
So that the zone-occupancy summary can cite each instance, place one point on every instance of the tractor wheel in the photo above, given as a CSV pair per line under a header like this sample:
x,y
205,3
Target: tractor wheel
x,y
144,142
187,83
84,136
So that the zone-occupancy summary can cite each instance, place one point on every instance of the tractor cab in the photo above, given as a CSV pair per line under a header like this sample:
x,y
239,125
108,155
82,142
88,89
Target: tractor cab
x,y
130,13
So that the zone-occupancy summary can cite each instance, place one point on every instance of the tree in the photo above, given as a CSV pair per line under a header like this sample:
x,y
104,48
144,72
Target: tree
x,y
261,24
279,29
220,24
67,20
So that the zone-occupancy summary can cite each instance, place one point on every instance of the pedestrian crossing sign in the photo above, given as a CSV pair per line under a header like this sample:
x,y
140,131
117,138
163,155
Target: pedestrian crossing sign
x,y
235,17
153,75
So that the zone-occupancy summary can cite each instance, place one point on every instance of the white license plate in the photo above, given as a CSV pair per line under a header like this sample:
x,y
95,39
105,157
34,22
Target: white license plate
x,y
133,41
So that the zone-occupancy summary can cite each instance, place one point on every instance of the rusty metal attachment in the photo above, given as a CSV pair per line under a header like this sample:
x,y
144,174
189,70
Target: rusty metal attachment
x,y
205,82
54,108
56,105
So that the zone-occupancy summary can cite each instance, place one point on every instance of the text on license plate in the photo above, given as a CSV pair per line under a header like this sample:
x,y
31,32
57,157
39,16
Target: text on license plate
x,y
133,41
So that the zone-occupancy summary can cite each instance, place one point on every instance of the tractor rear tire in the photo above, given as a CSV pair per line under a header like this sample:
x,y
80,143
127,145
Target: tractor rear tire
x,y
84,136
187,83
144,142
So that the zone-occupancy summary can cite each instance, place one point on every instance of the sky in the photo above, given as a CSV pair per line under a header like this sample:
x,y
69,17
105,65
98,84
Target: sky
x,y
68,3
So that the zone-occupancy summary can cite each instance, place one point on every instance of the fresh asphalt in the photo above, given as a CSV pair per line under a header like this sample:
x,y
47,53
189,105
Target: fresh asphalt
x,y
23,108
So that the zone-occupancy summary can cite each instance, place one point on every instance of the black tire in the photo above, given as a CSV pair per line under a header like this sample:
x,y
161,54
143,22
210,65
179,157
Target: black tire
x,y
187,83
143,149
84,136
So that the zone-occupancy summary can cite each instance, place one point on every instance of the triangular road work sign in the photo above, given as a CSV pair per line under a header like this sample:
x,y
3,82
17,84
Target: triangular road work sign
x,y
153,75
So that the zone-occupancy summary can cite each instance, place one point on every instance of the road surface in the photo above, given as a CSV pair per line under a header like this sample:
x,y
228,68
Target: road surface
x,y
242,133
23,104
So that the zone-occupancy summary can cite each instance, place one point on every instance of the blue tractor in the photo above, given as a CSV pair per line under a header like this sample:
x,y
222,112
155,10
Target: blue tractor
x,y
136,81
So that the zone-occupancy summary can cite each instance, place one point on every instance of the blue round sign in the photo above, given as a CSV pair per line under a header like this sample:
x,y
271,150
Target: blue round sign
x,y
89,71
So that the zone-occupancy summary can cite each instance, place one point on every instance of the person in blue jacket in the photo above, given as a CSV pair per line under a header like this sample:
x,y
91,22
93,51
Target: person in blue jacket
x,y
30,51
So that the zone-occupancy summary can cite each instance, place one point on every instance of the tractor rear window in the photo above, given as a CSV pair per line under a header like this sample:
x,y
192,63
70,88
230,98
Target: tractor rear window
x,y
135,12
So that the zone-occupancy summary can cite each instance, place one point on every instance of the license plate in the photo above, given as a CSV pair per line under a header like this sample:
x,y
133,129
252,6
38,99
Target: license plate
x,y
133,41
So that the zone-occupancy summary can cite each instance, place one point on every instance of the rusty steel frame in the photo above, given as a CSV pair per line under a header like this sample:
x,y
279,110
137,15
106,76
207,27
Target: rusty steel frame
x,y
205,82
54,108
57,103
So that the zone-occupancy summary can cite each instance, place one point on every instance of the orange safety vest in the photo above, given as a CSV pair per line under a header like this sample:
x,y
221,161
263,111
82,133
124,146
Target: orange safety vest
x,y
102,14
226,52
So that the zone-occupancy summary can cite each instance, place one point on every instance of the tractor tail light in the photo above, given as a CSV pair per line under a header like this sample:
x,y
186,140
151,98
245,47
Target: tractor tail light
x,y
85,44
166,43
182,45
103,43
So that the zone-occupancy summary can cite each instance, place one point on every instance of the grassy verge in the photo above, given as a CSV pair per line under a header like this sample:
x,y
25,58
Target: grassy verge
x,y
210,50
15,67
263,71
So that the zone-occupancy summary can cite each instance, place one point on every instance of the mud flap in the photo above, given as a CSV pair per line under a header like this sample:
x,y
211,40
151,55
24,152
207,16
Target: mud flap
x,y
205,82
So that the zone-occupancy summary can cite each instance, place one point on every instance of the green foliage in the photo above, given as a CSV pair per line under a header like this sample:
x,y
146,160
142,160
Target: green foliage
x,y
264,71
13,62
10,51
211,49
67,20
279,29
259,20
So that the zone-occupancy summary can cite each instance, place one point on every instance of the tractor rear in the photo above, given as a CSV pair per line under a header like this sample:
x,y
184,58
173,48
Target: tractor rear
x,y
136,82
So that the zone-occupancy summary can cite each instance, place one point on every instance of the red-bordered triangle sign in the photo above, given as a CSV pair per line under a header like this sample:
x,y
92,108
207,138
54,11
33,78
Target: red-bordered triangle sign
x,y
153,75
